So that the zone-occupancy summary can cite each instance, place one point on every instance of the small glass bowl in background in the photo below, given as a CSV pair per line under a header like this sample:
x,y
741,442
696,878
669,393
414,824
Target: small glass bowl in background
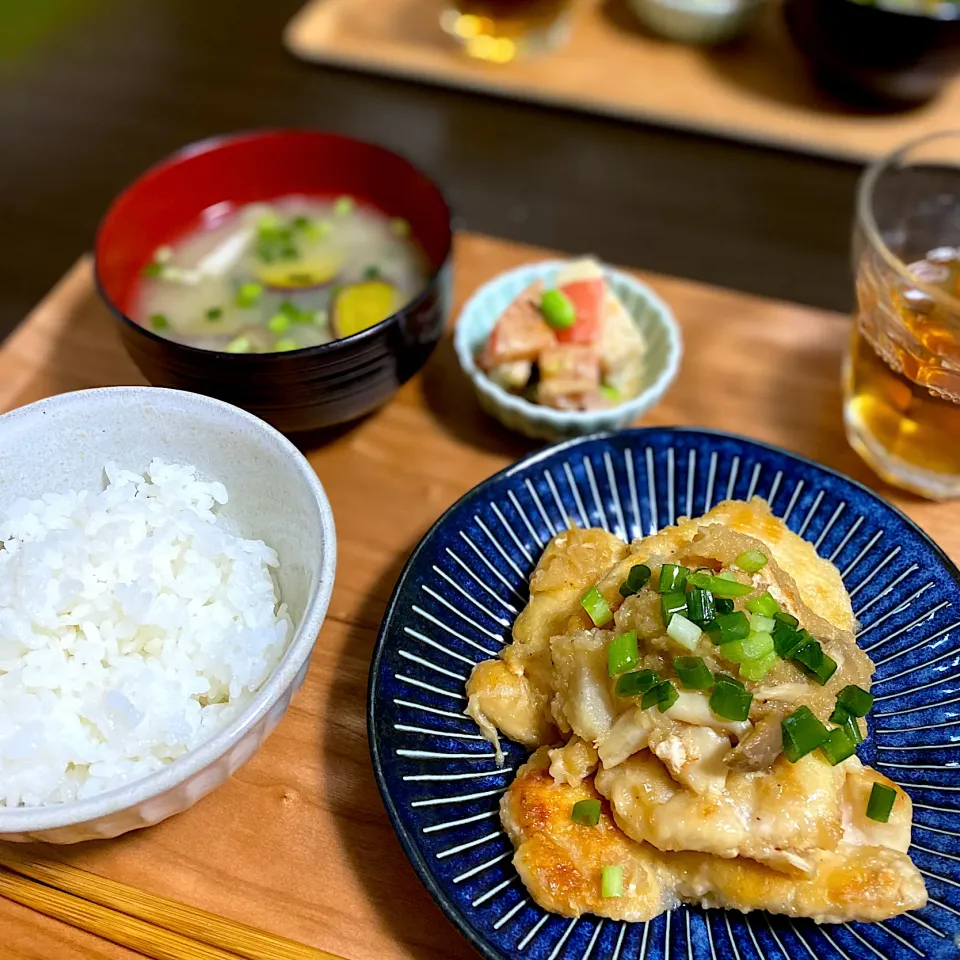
x,y
701,22
501,31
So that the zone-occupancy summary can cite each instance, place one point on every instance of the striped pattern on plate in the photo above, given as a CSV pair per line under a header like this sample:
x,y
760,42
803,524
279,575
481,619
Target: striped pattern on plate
x,y
466,582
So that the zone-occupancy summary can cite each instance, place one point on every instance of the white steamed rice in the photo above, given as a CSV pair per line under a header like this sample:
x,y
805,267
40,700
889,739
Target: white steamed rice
x,y
133,625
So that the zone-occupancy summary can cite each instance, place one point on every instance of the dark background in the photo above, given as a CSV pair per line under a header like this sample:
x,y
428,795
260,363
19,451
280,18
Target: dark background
x,y
93,91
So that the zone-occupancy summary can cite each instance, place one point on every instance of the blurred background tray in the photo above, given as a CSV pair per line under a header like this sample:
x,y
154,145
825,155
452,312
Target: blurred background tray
x,y
298,842
755,89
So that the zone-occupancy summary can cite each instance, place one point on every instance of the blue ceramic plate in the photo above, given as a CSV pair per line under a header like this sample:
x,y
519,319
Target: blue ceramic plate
x,y
464,585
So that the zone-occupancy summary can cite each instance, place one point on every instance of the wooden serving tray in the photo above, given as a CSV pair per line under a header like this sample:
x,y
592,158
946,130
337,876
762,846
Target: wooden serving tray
x,y
756,89
298,842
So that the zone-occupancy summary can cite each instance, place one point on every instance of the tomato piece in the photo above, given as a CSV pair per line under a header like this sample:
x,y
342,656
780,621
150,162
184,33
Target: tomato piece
x,y
587,297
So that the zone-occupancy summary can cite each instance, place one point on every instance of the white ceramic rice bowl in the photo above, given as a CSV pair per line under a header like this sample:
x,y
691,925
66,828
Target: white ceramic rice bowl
x,y
650,314
61,444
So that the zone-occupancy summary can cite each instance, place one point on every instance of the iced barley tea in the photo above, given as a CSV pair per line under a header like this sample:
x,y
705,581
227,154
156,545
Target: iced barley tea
x,y
902,371
903,375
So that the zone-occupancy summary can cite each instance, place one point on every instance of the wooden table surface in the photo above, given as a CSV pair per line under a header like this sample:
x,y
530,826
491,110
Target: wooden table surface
x,y
298,842
94,91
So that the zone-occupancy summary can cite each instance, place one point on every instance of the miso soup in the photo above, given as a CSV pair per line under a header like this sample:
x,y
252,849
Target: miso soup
x,y
279,276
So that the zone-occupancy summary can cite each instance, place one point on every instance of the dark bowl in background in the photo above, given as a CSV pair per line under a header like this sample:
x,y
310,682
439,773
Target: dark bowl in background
x,y
874,56
304,389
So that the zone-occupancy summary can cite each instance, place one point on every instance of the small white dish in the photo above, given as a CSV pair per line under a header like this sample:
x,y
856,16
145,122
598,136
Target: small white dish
x,y
61,444
651,315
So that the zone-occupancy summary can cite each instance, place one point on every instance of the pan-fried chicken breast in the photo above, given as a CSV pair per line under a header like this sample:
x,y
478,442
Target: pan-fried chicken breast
x,y
560,863
817,580
778,818
700,801
513,695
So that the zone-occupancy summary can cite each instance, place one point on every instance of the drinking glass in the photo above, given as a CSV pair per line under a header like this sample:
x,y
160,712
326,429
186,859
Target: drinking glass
x,y
500,31
902,371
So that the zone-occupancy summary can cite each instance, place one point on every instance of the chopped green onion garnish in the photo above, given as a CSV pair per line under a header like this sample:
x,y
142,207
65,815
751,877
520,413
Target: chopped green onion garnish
x,y
159,321
270,231
611,882
285,344
672,603
371,273
840,714
663,696
343,207
838,746
855,700
788,618
668,696
693,673
751,647
597,608
248,295
586,812
399,227
673,578
761,624
751,561
723,604
802,733
300,223
843,718
758,668
786,640
729,627
729,587
684,631
289,252
765,605
881,802
622,653
729,700
278,323
722,585
636,579
814,662
152,269
852,726
700,605
239,345
215,313
636,684
268,222
725,678
319,229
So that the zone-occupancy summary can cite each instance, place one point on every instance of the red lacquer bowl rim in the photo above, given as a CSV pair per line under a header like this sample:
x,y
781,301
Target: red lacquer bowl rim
x,y
226,141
